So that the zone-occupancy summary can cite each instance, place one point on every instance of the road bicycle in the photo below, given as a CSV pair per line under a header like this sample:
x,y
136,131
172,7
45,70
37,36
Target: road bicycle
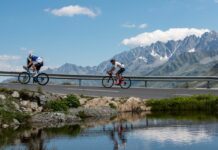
x,y
25,77
108,81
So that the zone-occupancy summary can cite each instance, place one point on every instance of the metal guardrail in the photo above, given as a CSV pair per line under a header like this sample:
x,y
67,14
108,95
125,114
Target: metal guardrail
x,y
207,79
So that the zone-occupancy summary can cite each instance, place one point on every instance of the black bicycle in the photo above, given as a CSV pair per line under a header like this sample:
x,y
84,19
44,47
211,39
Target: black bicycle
x,y
108,82
25,77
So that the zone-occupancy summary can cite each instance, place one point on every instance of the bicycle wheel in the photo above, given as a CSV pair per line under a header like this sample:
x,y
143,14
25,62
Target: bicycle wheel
x,y
125,83
24,78
108,82
42,79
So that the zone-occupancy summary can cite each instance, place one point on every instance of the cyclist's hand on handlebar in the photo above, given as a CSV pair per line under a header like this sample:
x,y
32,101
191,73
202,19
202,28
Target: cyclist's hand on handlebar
x,y
109,72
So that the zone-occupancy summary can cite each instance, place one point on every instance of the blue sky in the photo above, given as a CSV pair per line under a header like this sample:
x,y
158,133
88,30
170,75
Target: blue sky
x,y
94,31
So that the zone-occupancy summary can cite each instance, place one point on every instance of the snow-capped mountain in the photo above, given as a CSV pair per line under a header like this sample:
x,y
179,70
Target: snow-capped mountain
x,y
191,56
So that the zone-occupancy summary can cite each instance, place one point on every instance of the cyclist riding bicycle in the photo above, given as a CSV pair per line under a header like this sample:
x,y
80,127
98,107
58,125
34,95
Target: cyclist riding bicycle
x,y
121,67
35,62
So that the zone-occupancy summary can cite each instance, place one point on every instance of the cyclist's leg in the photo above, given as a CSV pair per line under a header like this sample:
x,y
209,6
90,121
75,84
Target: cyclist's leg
x,y
119,75
38,66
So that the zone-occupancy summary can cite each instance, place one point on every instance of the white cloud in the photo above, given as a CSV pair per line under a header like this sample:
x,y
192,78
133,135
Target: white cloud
x,y
73,10
129,25
9,58
176,135
216,1
143,26
148,38
10,63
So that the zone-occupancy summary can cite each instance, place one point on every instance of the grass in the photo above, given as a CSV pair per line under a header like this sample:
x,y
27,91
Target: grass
x,y
6,91
8,116
206,103
63,104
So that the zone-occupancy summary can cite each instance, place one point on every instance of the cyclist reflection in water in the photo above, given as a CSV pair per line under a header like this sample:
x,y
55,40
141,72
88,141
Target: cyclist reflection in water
x,y
121,135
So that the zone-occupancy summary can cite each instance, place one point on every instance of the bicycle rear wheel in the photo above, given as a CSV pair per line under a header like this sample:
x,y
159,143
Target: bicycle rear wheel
x,y
125,83
24,78
42,79
107,82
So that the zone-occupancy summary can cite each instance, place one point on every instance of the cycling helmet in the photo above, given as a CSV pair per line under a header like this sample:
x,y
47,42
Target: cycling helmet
x,y
112,60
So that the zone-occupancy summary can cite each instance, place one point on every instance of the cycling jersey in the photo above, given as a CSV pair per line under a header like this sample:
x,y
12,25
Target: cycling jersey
x,y
119,65
36,59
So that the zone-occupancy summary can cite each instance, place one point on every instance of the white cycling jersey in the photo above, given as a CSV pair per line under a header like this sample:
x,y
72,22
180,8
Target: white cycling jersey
x,y
119,65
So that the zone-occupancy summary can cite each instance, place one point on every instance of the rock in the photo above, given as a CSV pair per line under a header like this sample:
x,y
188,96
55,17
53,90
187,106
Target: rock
x,y
16,122
5,126
40,109
82,101
24,103
24,109
17,107
96,112
54,118
98,102
132,105
33,106
3,97
42,99
15,94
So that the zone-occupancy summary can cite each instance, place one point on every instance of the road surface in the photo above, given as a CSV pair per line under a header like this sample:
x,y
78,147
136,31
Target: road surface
x,y
115,92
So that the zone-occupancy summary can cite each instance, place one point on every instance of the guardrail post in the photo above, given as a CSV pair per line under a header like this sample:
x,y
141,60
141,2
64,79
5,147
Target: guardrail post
x,y
208,84
186,85
80,82
146,83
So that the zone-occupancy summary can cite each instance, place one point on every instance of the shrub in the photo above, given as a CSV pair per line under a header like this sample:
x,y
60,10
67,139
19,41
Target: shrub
x,y
207,103
112,105
8,116
72,101
57,105
63,104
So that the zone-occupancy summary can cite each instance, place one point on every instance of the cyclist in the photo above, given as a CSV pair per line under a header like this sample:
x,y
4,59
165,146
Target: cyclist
x,y
121,67
35,62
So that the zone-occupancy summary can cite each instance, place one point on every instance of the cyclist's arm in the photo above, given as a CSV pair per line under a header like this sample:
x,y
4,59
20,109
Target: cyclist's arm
x,y
112,69
30,64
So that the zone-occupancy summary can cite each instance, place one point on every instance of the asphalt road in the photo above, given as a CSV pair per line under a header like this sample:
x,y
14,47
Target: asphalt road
x,y
115,92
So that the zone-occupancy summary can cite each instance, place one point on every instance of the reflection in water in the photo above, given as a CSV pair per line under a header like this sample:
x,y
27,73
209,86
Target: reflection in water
x,y
176,135
126,132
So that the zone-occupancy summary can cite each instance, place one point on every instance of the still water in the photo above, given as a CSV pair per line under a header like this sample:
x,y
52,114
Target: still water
x,y
126,132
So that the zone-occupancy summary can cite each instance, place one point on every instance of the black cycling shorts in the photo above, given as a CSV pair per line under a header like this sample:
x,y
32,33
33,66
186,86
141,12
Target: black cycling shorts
x,y
121,71
38,66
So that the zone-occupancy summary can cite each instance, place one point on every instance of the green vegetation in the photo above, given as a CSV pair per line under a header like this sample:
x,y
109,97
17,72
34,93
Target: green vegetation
x,y
206,103
63,104
8,116
5,91
72,101
112,105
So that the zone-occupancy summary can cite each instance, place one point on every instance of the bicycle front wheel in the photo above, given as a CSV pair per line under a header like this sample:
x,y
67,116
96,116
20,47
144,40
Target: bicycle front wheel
x,y
108,82
126,83
24,78
42,79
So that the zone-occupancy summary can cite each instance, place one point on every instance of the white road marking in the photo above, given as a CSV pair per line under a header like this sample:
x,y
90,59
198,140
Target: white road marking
x,y
94,90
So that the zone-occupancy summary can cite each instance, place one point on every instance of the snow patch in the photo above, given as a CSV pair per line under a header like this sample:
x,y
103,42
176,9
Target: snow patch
x,y
142,58
191,50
